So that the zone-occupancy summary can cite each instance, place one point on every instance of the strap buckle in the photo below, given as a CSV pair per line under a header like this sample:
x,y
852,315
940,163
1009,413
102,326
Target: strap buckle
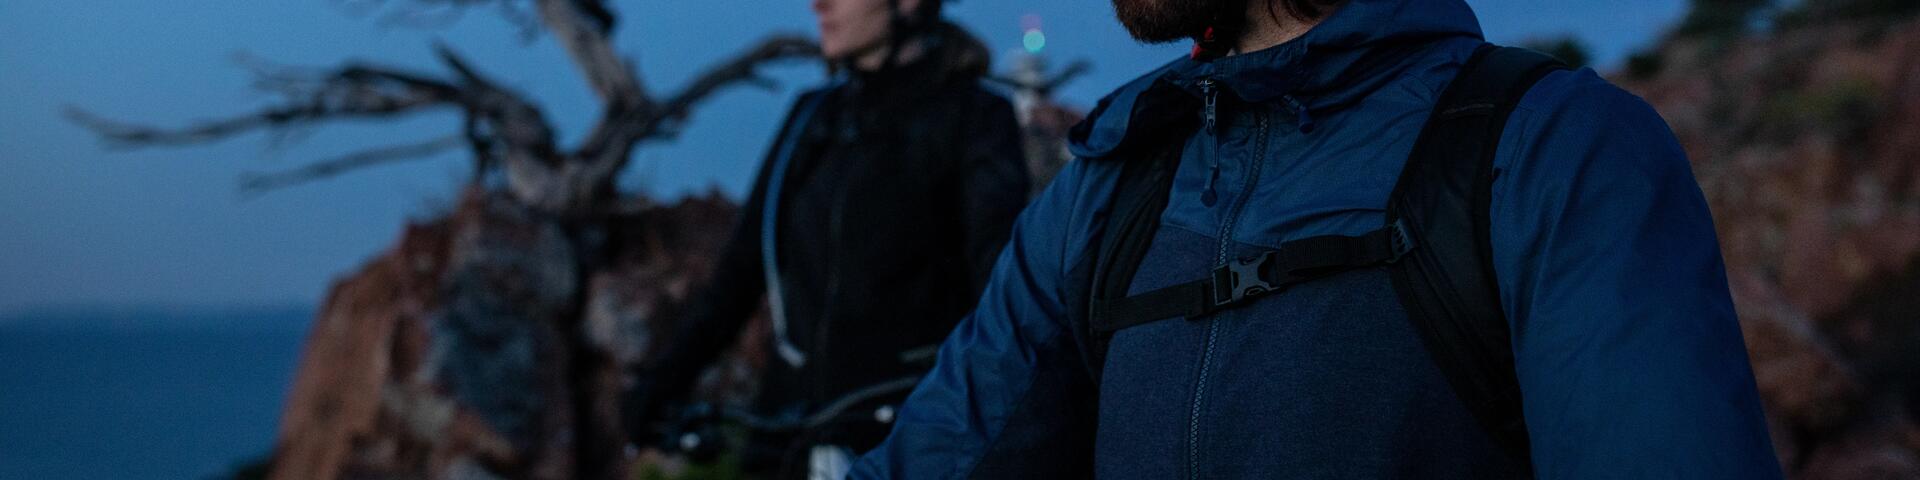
x,y
1400,240
1240,279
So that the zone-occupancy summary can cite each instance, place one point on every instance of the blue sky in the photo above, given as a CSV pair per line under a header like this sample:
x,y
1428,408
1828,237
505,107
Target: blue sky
x,y
84,225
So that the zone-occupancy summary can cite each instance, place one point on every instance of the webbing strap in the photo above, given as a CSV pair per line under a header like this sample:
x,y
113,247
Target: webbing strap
x,y
1235,283
1449,288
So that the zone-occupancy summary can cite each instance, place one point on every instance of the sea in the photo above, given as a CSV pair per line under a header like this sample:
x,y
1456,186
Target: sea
x,y
149,393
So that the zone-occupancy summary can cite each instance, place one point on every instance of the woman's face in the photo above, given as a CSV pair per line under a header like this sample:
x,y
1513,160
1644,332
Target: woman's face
x,y
850,28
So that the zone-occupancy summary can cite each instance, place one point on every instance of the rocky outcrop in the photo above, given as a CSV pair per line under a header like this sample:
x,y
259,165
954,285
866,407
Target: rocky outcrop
x,y
491,343
1806,140
1044,138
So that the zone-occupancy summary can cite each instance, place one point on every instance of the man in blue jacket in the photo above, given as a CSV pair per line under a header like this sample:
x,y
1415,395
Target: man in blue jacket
x,y
1625,345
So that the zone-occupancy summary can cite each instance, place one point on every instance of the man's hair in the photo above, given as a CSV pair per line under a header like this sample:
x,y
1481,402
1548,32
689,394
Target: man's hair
x,y
1160,21
1306,9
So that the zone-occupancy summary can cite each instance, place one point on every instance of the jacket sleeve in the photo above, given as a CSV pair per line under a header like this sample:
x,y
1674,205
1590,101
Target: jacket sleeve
x,y
994,185
1009,396
1629,354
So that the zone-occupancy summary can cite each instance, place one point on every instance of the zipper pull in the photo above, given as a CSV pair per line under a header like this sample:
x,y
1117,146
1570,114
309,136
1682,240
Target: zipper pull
x,y
1211,98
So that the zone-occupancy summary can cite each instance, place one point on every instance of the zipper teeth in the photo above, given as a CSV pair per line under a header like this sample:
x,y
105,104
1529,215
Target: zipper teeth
x,y
1246,187
1226,239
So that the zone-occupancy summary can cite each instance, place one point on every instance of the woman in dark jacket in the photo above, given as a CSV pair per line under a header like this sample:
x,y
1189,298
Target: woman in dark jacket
x,y
871,227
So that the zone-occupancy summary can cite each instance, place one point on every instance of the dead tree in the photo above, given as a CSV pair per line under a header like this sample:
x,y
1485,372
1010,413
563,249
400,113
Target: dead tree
x,y
507,285
1044,122
502,130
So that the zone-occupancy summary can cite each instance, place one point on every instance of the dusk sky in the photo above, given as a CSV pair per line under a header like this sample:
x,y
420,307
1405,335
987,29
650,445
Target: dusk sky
x,y
84,225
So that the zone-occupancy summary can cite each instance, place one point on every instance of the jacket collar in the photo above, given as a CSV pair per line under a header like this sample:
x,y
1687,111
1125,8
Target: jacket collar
x,y
1350,54
952,57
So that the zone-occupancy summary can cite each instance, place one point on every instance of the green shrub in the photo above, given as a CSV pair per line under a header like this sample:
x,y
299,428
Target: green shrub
x,y
1721,17
255,468
1847,110
1810,12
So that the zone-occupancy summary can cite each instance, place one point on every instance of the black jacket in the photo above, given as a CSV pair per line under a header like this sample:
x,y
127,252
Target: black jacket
x,y
898,193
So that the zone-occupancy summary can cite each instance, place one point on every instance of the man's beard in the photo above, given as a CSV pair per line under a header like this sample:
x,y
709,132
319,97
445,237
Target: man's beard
x,y
1163,21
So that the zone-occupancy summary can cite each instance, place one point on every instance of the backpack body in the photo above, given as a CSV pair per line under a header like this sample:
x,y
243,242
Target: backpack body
x,y
1387,348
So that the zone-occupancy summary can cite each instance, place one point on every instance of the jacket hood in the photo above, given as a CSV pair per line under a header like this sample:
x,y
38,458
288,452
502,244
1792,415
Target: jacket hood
x,y
1354,51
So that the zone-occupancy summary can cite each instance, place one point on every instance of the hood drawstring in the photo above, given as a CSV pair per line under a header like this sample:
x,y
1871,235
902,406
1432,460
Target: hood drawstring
x,y
1208,46
1208,196
1301,116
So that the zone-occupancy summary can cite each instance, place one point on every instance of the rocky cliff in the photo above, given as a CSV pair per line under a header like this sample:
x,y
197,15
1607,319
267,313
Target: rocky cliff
x,y
479,347
1806,140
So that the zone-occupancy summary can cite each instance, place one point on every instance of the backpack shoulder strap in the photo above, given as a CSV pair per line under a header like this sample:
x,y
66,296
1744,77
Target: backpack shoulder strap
x,y
1435,244
1134,217
1447,284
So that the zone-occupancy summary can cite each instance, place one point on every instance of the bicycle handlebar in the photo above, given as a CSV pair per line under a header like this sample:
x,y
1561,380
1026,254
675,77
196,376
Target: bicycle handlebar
x,y
688,434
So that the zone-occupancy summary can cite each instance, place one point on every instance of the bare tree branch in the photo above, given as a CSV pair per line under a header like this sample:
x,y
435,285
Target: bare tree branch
x,y
431,14
522,20
483,143
255,183
1073,70
1044,86
505,132
126,135
585,29
461,69
608,147
518,125
350,92
742,69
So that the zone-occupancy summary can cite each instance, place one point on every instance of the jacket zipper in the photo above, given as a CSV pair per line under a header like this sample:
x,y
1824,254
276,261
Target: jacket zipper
x,y
1254,167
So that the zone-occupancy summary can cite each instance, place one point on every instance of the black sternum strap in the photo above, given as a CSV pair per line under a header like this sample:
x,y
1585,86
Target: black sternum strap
x,y
1237,282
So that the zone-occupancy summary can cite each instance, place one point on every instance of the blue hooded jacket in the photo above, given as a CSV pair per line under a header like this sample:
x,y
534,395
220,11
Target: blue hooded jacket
x,y
1628,352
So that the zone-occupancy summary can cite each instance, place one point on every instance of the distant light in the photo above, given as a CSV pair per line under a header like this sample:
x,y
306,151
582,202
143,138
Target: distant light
x,y
1034,41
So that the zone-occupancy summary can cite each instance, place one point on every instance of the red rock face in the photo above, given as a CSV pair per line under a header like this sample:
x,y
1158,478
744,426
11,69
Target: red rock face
x,y
479,347
1807,144
1045,139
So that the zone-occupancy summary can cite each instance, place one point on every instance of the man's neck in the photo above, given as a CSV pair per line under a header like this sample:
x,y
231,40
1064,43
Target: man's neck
x,y
1270,24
